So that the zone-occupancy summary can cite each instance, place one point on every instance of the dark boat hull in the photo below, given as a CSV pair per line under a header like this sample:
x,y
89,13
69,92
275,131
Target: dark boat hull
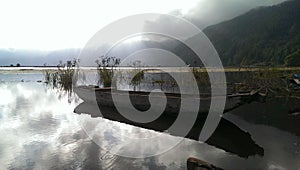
x,y
140,100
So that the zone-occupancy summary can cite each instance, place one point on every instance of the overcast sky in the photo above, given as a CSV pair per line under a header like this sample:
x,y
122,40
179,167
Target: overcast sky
x,y
57,24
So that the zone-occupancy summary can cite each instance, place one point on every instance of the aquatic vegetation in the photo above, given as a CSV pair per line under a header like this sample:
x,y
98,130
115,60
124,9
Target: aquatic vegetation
x,y
64,76
136,74
201,76
272,80
63,79
106,67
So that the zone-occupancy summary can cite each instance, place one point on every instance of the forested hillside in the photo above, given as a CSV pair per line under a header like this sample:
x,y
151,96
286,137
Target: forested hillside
x,y
262,36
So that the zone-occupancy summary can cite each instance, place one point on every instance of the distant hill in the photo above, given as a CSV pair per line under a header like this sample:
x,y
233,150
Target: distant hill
x,y
150,59
36,57
262,35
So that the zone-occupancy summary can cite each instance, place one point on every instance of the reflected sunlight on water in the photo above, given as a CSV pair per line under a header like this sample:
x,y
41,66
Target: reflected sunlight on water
x,y
32,115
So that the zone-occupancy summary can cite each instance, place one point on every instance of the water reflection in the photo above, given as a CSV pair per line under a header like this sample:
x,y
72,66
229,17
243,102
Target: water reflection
x,y
40,131
284,116
227,136
32,121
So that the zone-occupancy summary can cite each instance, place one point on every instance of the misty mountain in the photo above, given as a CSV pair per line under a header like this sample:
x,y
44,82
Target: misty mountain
x,y
211,12
154,57
36,57
265,34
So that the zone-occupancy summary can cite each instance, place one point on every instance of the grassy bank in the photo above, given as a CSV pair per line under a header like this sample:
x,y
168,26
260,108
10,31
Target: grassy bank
x,y
274,80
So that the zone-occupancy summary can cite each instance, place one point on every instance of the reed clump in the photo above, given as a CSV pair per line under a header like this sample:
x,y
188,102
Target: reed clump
x,y
136,74
272,80
106,69
201,76
64,77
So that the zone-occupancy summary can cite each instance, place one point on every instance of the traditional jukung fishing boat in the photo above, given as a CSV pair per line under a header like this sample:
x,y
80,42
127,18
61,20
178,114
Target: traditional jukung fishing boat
x,y
98,102
140,99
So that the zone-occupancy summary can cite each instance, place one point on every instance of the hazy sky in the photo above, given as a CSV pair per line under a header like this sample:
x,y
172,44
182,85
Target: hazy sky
x,y
56,24
68,23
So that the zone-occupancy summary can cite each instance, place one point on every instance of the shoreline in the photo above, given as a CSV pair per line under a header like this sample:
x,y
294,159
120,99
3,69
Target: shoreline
x,y
151,69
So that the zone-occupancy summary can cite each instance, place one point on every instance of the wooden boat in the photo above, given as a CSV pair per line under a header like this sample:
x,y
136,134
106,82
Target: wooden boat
x,y
197,164
229,137
296,79
297,76
140,100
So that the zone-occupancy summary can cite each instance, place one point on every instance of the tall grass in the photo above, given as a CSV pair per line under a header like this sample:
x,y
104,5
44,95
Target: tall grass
x,y
272,80
64,77
201,76
106,68
136,74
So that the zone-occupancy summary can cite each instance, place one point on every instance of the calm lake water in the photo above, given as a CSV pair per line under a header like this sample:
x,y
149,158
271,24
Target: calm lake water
x,y
39,130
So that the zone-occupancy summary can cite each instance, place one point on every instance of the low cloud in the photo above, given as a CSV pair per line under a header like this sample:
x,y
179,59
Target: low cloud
x,y
211,12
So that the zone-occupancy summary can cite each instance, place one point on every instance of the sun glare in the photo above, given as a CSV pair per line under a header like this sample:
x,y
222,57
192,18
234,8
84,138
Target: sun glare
x,y
133,39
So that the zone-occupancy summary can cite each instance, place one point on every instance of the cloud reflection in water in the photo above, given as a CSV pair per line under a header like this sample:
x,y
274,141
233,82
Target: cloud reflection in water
x,y
40,131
